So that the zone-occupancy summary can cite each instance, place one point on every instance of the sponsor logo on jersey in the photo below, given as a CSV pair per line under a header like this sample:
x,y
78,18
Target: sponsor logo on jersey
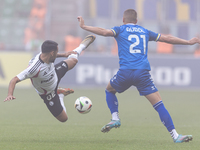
x,y
51,77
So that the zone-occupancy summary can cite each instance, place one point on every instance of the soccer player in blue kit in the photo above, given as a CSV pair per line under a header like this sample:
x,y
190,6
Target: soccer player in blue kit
x,y
134,68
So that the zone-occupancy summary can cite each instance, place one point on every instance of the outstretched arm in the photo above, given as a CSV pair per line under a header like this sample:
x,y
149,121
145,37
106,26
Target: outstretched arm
x,y
96,30
11,88
175,40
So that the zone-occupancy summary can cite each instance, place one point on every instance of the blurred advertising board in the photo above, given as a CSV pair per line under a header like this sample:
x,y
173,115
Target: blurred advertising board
x,y
167,72
96,70
11,64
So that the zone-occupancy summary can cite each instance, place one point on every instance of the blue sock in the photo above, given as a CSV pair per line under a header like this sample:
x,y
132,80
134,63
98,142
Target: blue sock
x,y
164,115
112,101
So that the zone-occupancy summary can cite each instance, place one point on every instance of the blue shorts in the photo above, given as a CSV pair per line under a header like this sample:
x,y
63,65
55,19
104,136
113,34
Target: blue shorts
x,y
139,78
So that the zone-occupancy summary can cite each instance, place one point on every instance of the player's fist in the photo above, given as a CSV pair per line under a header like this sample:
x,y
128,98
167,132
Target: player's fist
x,y
81,21
69,53
194,41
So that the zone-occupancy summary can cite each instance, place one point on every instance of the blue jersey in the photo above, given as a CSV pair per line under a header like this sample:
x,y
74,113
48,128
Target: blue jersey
x,y
132,43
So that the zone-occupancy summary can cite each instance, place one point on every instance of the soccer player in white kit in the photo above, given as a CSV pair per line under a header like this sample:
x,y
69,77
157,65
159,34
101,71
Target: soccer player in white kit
x,y
45,76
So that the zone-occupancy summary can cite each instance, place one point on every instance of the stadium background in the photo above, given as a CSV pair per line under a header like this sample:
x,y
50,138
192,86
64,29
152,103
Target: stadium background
x,y
25,123
25,24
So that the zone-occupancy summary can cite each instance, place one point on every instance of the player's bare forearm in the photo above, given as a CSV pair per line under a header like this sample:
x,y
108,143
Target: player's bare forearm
x,y
60,55
98,30
95,30
175,40
11,88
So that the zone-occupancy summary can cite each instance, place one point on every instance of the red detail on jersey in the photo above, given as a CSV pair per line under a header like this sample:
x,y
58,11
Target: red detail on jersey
x,y
35,76
31,81
45,91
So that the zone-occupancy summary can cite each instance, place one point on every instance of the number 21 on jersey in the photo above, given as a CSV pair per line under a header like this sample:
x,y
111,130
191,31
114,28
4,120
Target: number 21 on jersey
x,y
137,42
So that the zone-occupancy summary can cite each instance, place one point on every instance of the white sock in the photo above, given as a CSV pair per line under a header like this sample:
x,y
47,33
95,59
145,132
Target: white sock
x,y
115,116
79,49
73,56
61,97
174,134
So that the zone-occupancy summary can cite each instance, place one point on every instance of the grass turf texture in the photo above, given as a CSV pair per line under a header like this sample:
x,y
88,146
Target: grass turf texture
x,y
26,124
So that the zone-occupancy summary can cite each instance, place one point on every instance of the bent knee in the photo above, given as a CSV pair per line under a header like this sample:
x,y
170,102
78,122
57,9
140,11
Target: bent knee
x,y
62,117
71,62
110,89
63,120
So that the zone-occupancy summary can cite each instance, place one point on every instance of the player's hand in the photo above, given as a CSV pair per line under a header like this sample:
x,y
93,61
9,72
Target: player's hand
x,y
81,21
66,54
194,41
10,97
69,53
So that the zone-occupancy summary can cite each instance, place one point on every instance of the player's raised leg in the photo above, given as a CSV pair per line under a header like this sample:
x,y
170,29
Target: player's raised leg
x,y
61,93
73,58
71,62
112,103
166,119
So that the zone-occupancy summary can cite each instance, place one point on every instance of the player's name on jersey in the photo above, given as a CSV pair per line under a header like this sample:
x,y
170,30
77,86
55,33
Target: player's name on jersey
x,y
134,29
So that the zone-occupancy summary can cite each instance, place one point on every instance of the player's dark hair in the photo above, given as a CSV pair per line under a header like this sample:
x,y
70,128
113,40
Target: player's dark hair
x,y
130,15
48,46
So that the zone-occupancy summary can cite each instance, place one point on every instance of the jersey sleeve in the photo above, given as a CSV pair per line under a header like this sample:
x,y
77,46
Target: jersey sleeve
x,y
153,36
116,30
27,73
24,75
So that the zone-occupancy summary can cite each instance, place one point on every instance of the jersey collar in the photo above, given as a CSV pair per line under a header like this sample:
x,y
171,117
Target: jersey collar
x,y
41,59
130,24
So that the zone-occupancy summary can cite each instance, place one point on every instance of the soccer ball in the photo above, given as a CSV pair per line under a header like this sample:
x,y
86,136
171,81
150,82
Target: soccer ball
x,y
83,105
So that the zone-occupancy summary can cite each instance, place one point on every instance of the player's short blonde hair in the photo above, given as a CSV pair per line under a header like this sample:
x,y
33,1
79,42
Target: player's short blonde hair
x,y
130,16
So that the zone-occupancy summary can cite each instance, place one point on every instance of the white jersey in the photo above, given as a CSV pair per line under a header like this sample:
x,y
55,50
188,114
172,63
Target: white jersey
x,y
42,75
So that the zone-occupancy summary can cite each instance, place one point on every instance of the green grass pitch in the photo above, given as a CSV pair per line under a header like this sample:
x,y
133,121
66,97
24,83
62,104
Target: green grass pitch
x,y
26,124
